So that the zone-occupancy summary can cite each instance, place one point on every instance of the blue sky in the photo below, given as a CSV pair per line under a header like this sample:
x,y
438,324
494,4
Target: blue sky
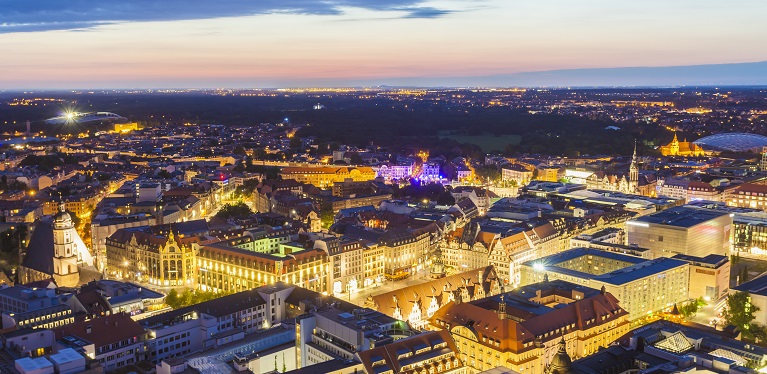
x,y
268,43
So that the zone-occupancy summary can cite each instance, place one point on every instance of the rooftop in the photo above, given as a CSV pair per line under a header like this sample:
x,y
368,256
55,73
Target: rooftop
x,y
680,217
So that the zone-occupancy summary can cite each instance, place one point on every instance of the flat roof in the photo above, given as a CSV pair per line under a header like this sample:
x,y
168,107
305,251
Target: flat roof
x,y
574,253
639,269
66,355
680,217
756,286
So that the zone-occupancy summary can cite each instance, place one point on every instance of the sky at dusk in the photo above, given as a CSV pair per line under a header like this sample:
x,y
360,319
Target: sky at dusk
x,y
277,43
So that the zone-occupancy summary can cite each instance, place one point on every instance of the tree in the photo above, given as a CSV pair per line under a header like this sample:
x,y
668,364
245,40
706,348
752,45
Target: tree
x,y
327,216
239,150
445,198
239,209
355,158
739,312
172,299
488,174
692,307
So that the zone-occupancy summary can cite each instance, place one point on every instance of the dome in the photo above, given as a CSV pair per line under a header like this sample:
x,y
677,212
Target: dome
x,y
62,219
733,142
561,362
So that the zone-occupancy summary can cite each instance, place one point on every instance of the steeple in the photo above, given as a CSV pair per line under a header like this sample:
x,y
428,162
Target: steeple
x,y
634,171
502,309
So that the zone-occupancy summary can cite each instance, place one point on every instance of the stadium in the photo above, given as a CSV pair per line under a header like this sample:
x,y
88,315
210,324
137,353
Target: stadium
x,y
86,118
733,142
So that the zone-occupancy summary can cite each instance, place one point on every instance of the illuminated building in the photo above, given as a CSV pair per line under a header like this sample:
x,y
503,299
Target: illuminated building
x,y
709,276
748,195
682,230
345,261
516,173
550,173
396,171
331,332
430,171
416,304
33,308
231,269
523,329
164,259
56,251
667,347
324,177
258,257
642,286
126,127
683,148
430,352
114,341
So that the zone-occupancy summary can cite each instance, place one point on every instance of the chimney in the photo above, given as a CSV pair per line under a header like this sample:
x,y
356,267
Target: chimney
x,y
29,128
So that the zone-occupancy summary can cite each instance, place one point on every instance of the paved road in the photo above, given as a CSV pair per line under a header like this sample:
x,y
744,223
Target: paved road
x,y
709,313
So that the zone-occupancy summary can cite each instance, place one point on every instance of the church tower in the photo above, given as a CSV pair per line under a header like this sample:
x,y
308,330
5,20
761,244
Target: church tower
x,y
634,172
65,249
674,151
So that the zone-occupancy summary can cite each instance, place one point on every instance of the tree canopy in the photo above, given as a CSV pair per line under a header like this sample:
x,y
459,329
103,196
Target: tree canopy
x,y
239,209
739,312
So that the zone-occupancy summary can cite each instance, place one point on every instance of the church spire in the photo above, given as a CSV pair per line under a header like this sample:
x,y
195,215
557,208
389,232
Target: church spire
x,y
634,172
502,309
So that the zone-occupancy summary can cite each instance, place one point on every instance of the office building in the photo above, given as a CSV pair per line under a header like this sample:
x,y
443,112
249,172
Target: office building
x,y
642,286
682,230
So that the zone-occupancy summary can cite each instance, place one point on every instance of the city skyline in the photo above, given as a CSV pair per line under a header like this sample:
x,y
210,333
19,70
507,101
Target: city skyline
x,y
397,42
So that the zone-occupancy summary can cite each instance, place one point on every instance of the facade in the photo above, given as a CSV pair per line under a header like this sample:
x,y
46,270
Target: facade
x,y
683,148
748,195
430,352
516,174
163,260
324,177
372,257
642,286
55,251
709,276
26,307
345,262
521,246
396,171
550,173
416,304
223,268
750,234
430,171
260,256
682,230
114,341
191,329
403,251
522,330
331,333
